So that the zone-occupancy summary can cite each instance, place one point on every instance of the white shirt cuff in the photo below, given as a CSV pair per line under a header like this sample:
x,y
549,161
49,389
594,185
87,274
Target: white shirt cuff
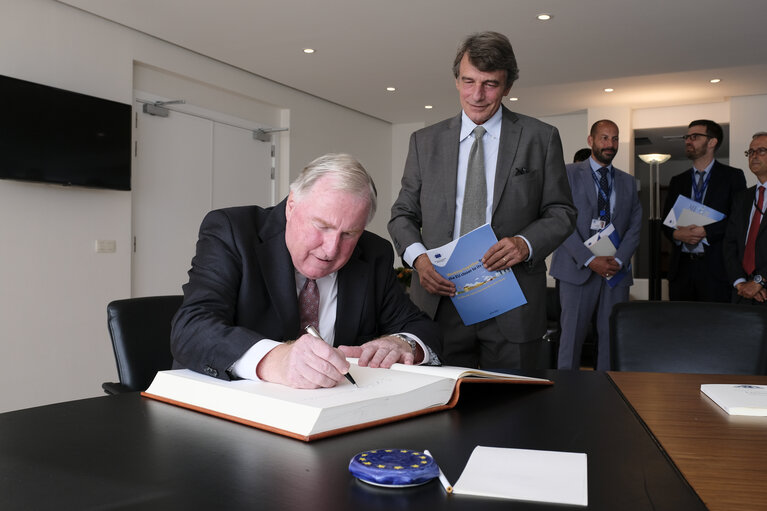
x,y
246,366
411,254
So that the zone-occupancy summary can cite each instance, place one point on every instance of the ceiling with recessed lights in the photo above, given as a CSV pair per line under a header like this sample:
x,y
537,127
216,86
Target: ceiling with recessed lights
x,y
650,52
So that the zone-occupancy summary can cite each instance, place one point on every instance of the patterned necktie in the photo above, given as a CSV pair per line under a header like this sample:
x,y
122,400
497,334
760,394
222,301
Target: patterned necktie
x,y
700,179
309,305
749,256
475,191
603,200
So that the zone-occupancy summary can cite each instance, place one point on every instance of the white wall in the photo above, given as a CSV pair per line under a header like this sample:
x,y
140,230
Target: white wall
x,y
573,130
53,286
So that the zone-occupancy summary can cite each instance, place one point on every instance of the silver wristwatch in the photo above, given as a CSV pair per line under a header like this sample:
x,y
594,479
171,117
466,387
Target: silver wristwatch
x,y
759,280
413,345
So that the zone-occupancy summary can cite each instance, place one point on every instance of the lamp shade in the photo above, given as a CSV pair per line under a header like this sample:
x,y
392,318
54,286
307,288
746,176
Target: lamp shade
x,y
654,158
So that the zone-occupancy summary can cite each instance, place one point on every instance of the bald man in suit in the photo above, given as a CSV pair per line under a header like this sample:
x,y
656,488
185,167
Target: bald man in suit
x,y
583,285
525,198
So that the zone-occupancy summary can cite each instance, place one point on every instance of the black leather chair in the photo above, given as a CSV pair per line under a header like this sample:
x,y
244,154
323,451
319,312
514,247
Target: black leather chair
x,y
689,337
140,332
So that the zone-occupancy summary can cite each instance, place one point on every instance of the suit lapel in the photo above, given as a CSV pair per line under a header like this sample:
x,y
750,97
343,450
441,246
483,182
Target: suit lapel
x,y
511,132
584,175
447,160
350,299
278,270
687,185
745,210
621,197
715,184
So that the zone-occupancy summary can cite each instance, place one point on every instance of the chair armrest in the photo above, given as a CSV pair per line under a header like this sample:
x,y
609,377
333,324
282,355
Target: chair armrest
x,y
115,388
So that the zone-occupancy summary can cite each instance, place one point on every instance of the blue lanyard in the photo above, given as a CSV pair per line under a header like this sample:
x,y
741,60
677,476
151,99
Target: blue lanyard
x,y
605,196
699,193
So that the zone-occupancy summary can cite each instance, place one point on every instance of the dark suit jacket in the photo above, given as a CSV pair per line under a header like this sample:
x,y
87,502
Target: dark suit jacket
x,y
568,261
531,198
242,289
735,238
725,182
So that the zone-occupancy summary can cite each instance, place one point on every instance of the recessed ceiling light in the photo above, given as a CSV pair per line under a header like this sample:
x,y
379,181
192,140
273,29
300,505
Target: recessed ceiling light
x,y
308,50
715,80
428,107
609,90
513,99
390,89
544,16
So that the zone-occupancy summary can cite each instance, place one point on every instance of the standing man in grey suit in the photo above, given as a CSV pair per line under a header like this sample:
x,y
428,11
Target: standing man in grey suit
x,y
486,165
603,195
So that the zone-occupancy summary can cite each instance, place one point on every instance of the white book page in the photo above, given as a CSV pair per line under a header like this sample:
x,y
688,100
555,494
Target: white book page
x,y
455,372
522,474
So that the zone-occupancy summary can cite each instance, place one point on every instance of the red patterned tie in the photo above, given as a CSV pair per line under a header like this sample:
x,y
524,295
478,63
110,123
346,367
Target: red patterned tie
x,y
309,305
749,257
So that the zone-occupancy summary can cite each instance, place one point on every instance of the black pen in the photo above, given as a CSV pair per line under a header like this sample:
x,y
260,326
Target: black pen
x,y
313,331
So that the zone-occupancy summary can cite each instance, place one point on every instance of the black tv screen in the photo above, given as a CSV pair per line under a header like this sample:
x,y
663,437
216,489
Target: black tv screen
x,y
52,135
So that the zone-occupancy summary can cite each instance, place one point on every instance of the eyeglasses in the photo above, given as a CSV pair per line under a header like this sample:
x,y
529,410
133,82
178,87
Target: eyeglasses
x,y
761,151
694,136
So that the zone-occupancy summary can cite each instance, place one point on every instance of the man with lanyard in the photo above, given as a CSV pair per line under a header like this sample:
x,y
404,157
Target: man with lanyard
x,y
697,270
745,245
603,195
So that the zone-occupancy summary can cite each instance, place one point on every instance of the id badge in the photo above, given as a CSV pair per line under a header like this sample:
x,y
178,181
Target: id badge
x,y
597,224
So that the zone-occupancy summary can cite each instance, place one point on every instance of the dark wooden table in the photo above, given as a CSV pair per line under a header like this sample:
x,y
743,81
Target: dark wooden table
x,y
723,457
127,452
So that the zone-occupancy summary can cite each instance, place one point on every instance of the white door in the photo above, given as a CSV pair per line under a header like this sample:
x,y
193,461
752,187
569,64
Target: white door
x,y
185,165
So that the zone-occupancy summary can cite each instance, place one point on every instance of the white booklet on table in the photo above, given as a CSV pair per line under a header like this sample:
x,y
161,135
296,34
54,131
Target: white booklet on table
x,y
739,399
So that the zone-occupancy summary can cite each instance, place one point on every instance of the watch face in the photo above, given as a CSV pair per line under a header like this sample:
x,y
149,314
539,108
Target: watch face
x,y
758,279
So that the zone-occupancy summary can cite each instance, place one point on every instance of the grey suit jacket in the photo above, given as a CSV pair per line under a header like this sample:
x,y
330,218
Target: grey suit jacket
x,y
531,198
568,260
242,289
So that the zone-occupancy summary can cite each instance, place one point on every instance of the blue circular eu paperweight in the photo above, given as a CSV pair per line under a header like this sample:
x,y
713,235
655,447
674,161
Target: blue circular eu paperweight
x,y
393,467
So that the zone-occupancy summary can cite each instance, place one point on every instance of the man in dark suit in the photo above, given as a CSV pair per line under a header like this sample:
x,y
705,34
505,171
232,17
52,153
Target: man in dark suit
x,y
696,270
583,277
486,165
241,316
745,242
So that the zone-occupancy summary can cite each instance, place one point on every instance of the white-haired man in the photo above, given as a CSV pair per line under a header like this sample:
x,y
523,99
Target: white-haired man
x,y
244,311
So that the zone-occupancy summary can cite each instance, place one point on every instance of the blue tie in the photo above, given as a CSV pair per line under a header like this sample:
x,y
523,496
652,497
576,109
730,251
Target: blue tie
x,y
603,204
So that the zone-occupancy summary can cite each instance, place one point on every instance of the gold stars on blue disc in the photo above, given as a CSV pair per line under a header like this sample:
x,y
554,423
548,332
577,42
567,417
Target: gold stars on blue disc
x,y
393,467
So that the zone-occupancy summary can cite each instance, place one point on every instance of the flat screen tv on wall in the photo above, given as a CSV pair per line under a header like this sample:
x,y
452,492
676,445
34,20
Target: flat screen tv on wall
x,y
52,135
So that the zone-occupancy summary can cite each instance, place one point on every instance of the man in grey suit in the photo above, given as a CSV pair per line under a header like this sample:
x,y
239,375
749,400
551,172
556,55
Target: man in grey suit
x,y
486,165
603,195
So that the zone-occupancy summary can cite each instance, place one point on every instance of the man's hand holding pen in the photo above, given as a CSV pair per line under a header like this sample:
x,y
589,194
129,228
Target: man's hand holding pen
x,y
306,363
310,363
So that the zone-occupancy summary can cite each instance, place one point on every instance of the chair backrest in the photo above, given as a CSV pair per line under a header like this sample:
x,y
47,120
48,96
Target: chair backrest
x,y
689,337
140,331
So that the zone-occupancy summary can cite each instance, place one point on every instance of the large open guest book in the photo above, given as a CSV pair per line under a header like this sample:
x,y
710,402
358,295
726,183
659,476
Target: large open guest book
x,y
381,395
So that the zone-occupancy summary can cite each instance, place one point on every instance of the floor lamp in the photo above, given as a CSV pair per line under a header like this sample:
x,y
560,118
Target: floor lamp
x,y
654,160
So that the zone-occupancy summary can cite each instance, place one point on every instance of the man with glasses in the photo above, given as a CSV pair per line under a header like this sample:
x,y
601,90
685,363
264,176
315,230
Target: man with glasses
x,y
696,270
745,244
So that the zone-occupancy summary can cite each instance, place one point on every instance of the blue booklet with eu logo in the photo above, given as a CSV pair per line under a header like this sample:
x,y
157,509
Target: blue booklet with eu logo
x,y
480,294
